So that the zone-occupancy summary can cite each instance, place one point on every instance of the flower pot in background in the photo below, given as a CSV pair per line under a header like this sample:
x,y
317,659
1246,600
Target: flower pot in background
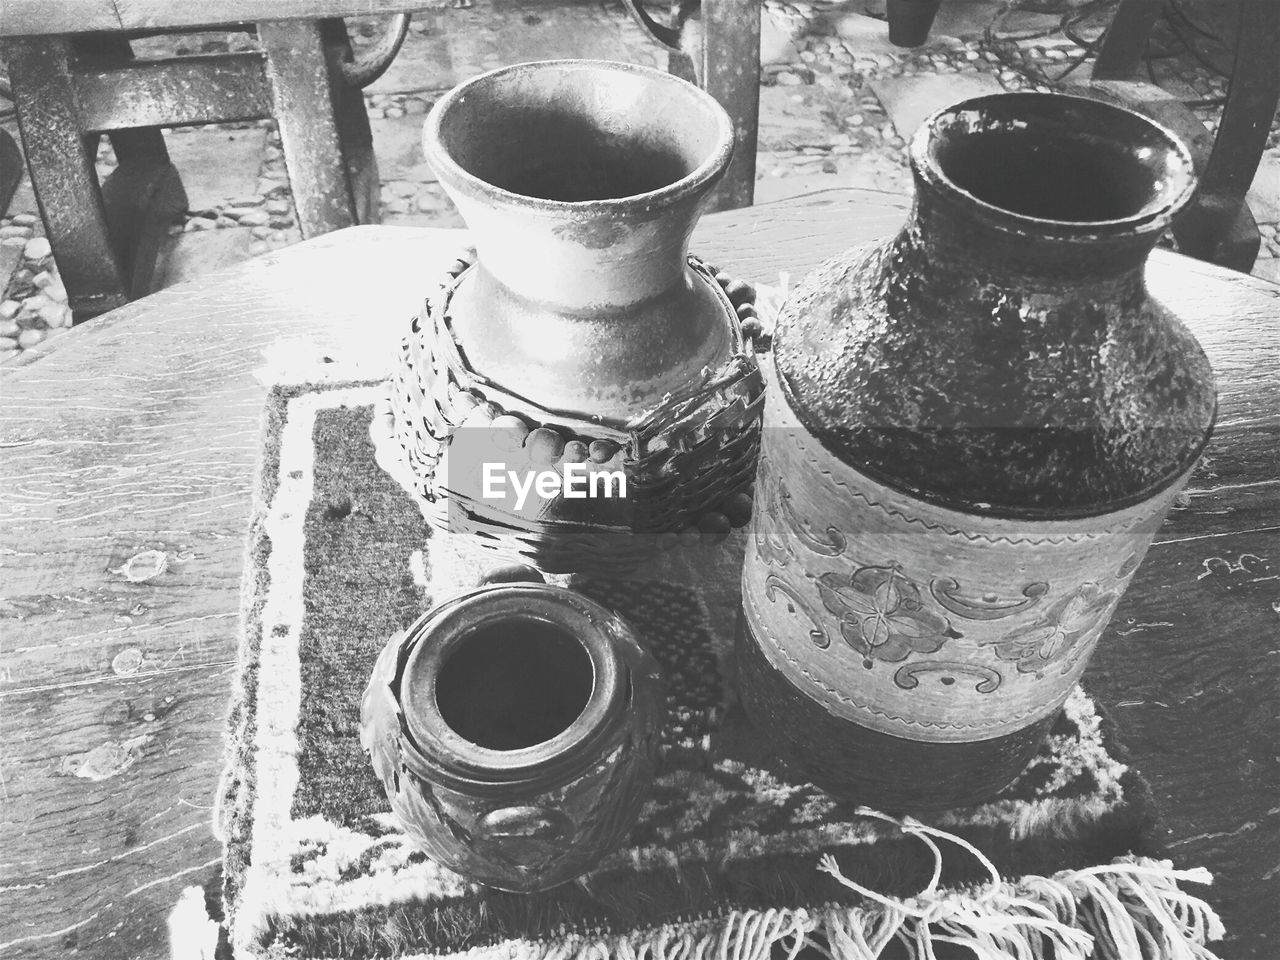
x,y
910,20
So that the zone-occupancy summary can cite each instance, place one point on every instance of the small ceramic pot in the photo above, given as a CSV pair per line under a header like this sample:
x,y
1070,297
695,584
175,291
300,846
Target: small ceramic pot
x,y
515,729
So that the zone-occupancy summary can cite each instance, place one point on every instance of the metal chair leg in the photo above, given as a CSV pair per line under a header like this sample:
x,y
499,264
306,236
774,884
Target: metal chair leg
x,y
1218,226
722,46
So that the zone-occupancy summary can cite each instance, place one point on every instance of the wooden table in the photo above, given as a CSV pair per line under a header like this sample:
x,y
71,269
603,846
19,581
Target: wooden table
x,y
138,432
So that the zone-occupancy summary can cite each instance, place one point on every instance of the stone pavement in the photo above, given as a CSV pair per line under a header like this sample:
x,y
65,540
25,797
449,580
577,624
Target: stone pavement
x,y
836,107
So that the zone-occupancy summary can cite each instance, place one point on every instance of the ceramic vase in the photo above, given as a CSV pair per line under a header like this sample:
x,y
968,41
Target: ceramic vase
x,y
515,729
580,331
976,428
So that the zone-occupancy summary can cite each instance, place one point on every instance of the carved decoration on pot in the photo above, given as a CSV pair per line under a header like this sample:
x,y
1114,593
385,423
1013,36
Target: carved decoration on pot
x,y
580,336
515,729
995,417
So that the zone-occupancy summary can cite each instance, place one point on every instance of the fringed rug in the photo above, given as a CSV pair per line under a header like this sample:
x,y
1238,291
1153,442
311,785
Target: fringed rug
x,y
732,859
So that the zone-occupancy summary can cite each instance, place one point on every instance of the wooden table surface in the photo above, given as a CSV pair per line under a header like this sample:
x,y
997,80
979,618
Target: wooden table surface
x,y
138,432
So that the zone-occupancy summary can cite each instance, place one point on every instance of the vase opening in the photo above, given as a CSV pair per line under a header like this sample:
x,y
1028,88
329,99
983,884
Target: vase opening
x,y
514,683
580,132
1057,158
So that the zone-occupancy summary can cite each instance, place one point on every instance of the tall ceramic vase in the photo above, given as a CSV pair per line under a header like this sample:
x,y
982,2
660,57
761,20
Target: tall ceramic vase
x,y
580,331
977,427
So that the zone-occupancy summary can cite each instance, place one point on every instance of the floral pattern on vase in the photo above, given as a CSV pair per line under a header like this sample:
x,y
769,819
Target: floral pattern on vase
x,y
985,606
769,531
1052,638
986,680
881,614
831,545
775,586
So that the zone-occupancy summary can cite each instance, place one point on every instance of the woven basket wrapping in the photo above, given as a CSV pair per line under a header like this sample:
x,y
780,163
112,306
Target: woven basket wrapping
x,y
689,463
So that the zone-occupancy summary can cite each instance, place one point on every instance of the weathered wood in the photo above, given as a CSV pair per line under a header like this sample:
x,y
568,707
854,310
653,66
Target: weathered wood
x,y
729,70
1191,668
172,92
70,828
144,194
106,240
304,74
61,166
354,132
138,431
40,17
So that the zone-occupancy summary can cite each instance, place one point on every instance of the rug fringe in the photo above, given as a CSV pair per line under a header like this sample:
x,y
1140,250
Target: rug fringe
x,y
1124,910
1129,909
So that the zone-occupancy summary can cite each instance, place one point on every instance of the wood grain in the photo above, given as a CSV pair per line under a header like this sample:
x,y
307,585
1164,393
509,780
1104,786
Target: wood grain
x,y
139,435
40,17
138,432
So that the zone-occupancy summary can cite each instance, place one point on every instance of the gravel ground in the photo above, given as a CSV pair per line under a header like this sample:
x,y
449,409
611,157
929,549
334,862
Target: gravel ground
x,y
35,306
822,121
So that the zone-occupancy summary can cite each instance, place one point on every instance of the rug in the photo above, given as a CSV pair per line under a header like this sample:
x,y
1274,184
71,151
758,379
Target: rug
x,y
733,857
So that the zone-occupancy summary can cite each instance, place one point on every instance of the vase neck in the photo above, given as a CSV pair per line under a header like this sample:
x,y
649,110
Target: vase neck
x,y
989,249
596,263
1046,189
580,180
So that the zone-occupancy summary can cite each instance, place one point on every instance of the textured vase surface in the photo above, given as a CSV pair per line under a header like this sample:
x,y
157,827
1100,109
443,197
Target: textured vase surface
x,y
580,331
515,730
972,433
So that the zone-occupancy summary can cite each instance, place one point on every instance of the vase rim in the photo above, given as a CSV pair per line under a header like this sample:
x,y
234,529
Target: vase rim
x,y
443,630
697,181
1152,217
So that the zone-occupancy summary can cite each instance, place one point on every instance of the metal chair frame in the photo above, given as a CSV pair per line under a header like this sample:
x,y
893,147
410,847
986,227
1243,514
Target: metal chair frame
x,y
1217,226
720,51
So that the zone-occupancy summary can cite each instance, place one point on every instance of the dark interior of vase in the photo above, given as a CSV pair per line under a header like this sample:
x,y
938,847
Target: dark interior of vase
x,y
1058,158
514,683
579,134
